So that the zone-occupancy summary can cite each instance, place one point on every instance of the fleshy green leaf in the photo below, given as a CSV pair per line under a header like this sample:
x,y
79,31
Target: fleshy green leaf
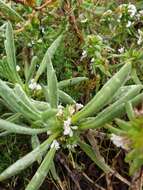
x,y
42,171
105,94
50,52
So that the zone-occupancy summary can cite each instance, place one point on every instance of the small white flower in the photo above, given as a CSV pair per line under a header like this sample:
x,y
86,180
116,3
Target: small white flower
x,y
38,87
67,127
40,40
128,24
67,122
55,144
121,50
84,20
74,127
120,16
71,110
29,44
17,68
117,140
68,131
138,16
132,10
32,42
122,6
139,41
84,53
121,141
43,30
141,12
33,85
60,111
32,81
71,146
140,37
92,60
49,132
60,107
108,12
78,106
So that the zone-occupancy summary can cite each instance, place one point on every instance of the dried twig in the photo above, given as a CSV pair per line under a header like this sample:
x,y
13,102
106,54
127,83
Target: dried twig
x,y
44,5
137,181
61,158
93,142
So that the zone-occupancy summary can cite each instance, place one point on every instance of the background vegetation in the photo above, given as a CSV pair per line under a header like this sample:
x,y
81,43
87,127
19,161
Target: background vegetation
x,y
98,39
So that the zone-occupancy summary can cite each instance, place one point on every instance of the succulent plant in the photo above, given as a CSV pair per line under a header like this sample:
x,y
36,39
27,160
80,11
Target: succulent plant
x,y
57,115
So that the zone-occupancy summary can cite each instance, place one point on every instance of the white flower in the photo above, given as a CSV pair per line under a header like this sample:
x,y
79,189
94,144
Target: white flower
x,y
32,81
49,132
120,141
117,140
84,53
84,20
122,6
140,39
68,131
17,68
74,127
67,127
38,87
67,122
39,41
121,50
92,60
71,110
128,24
108,12
34,86
55,144
43,30
138,16
71,146
60,111
132,10
120,16
141,12
78,106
